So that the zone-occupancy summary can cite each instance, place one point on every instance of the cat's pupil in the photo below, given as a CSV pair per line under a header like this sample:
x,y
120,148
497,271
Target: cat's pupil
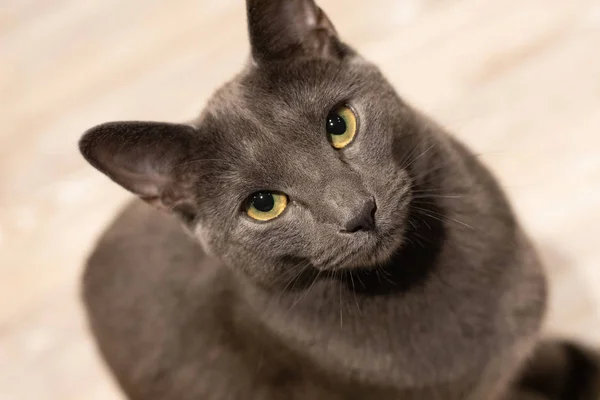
x,y
263,201
336,124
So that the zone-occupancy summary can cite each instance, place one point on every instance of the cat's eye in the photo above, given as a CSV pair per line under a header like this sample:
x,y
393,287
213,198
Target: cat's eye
x,y
264,206
341,126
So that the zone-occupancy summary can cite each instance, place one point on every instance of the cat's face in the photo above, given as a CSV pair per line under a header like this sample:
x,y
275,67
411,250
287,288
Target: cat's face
x,y
296,163
326,207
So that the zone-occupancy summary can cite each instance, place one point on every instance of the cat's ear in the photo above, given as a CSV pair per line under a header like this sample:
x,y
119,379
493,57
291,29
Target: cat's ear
x,y
283,29
143,158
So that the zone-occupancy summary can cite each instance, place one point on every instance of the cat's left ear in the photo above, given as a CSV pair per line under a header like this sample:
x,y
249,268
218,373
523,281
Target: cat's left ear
x,y
284,29
145,158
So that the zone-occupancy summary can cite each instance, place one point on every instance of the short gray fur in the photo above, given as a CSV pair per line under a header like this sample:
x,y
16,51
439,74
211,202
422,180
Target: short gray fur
x,y
189,298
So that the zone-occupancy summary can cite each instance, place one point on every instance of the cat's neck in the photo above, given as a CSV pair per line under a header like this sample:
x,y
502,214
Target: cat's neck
x,y
335,314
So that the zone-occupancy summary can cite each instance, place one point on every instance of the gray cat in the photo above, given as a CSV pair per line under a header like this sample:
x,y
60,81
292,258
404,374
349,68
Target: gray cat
x,y
336,244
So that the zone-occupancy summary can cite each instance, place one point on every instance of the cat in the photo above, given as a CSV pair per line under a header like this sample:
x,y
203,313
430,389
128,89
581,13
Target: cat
x,y
312,236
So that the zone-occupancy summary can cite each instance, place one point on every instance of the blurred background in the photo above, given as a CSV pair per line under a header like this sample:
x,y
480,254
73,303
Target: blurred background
x,y
517,80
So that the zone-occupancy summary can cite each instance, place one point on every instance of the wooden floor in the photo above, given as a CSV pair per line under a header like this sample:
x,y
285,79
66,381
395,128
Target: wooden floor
x,y
518,80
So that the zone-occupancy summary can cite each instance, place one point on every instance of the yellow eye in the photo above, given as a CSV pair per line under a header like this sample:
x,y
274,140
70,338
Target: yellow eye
x,y
341,127
264,206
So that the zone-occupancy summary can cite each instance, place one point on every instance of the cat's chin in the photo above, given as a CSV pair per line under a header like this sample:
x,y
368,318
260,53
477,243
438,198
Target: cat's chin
x,y
379,254
377,249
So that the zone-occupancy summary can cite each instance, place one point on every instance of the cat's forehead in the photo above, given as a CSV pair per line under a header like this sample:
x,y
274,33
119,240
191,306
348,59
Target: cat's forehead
x,y
291,89
256,128
283,107
274,121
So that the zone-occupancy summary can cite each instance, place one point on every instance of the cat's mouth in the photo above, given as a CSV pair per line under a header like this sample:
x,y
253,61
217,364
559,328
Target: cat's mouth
x,y
367,249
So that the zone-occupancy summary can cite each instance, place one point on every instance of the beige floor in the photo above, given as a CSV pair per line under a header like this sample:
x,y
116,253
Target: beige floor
x,y
519,80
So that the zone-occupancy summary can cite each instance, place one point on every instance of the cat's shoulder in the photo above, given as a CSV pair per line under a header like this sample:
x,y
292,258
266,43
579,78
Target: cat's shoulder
x,y
144,253
147,285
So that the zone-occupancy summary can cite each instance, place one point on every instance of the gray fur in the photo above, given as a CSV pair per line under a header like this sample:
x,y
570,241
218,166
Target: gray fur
x,y
443,300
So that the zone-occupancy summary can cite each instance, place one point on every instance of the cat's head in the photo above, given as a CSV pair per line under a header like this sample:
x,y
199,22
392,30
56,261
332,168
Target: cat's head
x,y
298,162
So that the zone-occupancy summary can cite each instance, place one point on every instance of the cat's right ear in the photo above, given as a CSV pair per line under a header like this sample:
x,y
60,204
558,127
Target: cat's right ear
x,y
143,158
285,29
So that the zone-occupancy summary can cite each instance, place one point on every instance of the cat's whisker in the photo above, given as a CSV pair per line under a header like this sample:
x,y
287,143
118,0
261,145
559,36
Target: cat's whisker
x,y
425,222
307,290
354,292
297,271
434,190
378,276
342,258
339,283
315,279
419,242
409,240
434,196
326,262
419,156
443,218
406,159
302,270
360,280
445,163
419,178
412,223
387,275
345,288
291,271
385,272
420,238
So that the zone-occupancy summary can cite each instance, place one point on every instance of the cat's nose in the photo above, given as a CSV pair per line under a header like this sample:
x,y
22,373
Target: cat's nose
x,y
363,219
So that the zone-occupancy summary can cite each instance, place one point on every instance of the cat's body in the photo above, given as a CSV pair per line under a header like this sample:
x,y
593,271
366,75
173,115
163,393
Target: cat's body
x,y
175,324
433,293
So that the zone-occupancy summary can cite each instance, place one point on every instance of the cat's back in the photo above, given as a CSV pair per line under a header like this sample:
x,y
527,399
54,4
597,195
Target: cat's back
x,y
143,283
